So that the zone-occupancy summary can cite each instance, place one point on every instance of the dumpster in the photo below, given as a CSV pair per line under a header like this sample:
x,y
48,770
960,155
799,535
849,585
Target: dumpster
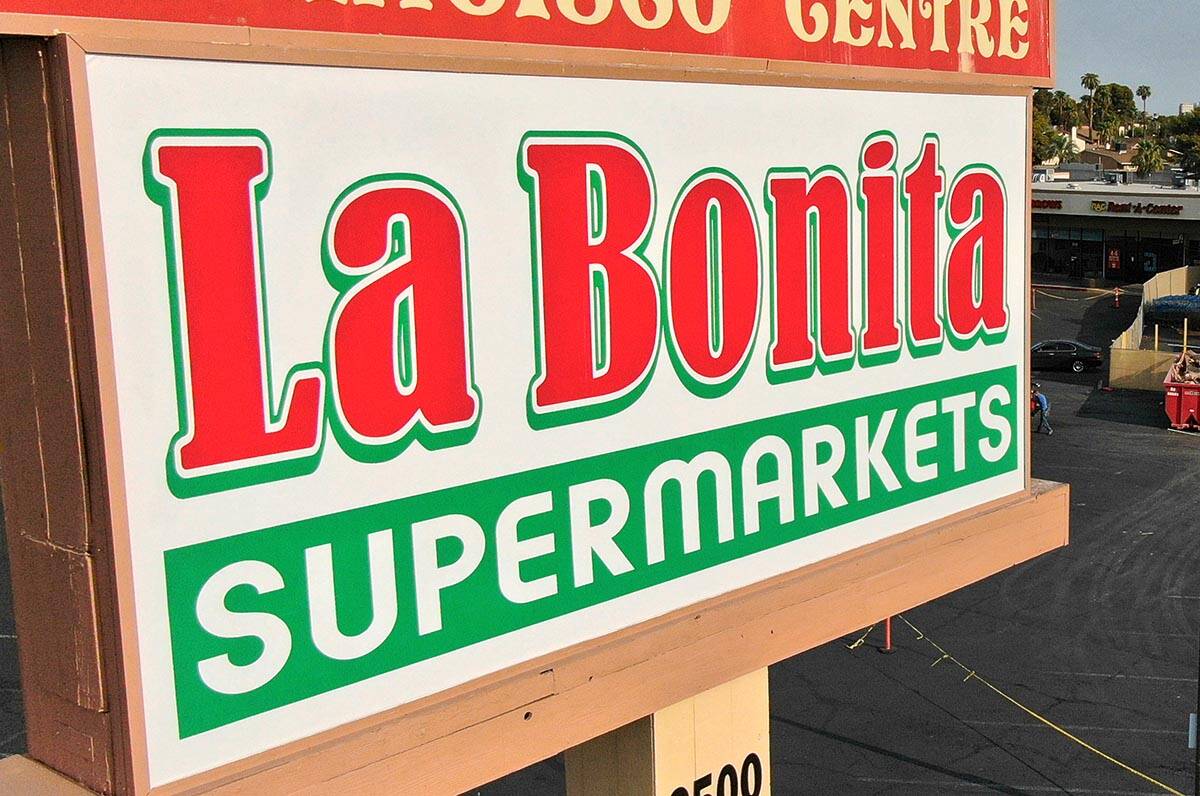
x,y
1183,392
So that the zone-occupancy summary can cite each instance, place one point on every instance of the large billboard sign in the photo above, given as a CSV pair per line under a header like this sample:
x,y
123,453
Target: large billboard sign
x,y
978,37
421,376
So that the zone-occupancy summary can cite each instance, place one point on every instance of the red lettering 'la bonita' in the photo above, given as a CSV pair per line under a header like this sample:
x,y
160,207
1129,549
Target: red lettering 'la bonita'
x,y
397,361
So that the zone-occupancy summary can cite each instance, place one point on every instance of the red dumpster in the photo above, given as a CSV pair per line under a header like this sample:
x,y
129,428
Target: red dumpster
x,y
1182,387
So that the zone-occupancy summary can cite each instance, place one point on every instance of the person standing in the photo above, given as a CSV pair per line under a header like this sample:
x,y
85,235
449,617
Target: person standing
x,y
1041,406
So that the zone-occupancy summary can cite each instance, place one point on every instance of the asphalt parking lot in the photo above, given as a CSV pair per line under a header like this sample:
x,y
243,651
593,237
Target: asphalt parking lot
x,y
1100,638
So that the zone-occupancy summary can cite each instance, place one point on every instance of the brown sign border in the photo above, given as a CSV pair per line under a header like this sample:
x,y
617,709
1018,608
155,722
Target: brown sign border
x,y
741,36
502,722
147,31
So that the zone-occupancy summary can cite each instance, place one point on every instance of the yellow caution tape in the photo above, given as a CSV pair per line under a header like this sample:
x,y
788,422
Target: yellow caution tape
x,y
861,641
1075,300
974,675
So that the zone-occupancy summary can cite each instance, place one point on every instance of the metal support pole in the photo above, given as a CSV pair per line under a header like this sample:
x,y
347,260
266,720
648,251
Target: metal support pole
x,y
887,648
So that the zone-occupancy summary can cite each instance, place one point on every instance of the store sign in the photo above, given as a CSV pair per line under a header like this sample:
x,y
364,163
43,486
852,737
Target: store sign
x,y
412,391
1143,201
1137,208
991,37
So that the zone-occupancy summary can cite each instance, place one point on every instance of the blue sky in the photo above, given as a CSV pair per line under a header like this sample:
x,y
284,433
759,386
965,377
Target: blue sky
x,y
1132,42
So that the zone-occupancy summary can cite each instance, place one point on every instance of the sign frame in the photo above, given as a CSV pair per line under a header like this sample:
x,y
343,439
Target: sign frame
x,y
149,30
549,704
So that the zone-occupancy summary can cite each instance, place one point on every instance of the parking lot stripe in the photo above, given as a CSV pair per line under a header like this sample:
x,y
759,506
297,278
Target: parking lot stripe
x,y
929,783
1112,676
1076,728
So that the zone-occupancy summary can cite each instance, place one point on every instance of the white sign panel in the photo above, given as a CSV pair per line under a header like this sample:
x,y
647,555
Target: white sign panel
x,y
421,376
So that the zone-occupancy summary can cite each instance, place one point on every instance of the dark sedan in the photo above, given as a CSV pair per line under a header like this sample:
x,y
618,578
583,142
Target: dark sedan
x,y
1065,355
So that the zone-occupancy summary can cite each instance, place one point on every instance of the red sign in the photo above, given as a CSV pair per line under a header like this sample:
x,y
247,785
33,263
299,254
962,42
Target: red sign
x,y
987,37
1114,259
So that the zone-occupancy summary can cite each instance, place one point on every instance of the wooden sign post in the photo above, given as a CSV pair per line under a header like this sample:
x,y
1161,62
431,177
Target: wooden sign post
x,y
399,394
717,742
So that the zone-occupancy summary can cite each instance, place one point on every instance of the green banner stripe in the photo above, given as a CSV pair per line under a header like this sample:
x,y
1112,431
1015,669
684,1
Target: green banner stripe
x,y
957,436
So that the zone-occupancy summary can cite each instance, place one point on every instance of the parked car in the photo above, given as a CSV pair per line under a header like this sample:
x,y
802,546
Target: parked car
x,y
1065,355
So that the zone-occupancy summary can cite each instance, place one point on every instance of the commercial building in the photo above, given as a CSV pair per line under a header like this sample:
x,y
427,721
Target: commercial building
x,y
1094,231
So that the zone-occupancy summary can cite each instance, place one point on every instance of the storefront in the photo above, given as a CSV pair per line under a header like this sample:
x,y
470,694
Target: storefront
x,y
1118,233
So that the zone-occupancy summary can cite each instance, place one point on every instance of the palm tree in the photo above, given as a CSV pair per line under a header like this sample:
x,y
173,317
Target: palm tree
x,y
1151,157
1091,81
1190,159
1063,99
1144,93
1111,130
1063,148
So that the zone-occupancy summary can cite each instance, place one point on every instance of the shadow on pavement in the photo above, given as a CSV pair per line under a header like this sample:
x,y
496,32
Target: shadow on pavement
x,y
1102,323
956,775
1131,407
1076,316
1089,378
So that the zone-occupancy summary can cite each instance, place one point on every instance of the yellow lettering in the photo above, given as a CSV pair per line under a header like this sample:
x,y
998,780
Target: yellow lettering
x,y
599,13
843,30
533,8
973,25
478,8
1014,26
900,14
817,13
662,13
424,5
937,10
720,15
